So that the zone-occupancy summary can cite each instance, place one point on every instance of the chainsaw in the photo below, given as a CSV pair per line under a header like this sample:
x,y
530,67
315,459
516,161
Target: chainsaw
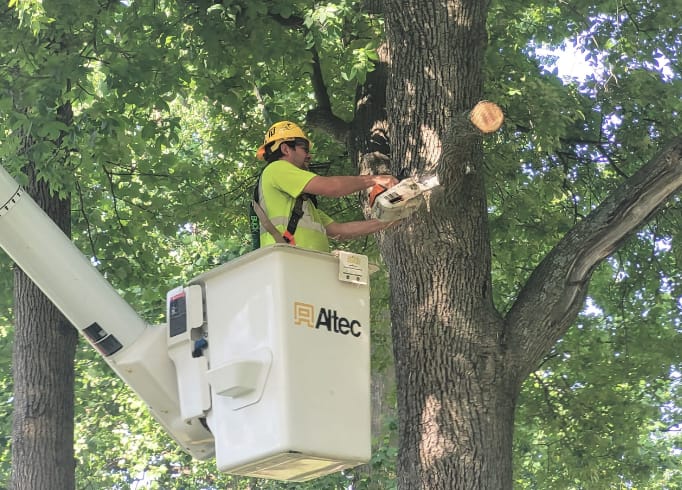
x,y
404,198
401,200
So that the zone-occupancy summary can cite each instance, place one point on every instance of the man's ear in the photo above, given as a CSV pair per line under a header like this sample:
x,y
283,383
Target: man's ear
x,y
285,150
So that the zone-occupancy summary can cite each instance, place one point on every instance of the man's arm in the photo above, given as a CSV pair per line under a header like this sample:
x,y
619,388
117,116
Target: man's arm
x,y
342,185
354,229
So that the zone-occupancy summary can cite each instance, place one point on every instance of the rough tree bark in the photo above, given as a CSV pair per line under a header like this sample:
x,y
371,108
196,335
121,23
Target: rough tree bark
x,y
456,396
43,370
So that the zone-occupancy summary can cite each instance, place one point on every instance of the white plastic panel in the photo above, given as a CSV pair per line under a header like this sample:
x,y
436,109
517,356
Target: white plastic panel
x,y
147,369
313,416
184,307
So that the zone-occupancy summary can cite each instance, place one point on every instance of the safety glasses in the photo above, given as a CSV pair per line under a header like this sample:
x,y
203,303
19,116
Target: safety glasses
x,y
301,143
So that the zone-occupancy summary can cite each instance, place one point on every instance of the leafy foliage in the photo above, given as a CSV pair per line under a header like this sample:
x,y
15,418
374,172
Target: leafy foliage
x,y
601,410
171,99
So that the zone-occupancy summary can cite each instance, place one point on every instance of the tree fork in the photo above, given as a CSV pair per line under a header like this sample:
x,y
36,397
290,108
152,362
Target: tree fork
x,y
558,285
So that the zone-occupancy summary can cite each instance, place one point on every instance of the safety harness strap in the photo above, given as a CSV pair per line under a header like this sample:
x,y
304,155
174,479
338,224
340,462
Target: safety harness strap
x,y
267,224
258,214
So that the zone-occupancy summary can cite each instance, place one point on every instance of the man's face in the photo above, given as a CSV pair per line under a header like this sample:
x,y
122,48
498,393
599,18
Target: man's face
x,y
299,155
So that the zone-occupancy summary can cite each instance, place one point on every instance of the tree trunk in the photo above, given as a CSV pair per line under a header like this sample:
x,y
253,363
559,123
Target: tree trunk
x,y
456,392
459,365
43,368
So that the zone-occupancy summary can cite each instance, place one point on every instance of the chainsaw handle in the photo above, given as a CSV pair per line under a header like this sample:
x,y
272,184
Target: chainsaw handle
x,y
379,189
376,191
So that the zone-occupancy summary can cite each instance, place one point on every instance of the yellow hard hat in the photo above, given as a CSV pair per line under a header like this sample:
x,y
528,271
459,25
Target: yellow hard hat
x,y
279,133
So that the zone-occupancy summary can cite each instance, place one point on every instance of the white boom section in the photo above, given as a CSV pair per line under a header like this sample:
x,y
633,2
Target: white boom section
x,y
61,271
134,350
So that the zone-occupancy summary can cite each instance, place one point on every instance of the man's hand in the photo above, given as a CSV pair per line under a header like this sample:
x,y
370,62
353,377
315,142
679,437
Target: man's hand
x,y
382,185
386,181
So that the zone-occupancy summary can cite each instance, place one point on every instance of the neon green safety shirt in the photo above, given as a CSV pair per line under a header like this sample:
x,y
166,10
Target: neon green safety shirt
x,y
280,184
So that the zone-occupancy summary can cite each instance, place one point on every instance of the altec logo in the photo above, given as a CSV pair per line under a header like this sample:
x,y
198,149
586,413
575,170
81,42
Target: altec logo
x,y
304,314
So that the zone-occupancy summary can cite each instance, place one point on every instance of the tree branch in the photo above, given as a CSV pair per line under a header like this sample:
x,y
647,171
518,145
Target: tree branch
x,y
325,120
317,79
322,117
293,21
373,6
551,299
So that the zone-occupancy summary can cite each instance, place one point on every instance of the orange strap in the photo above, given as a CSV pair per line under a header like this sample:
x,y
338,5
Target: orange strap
x,y
267,224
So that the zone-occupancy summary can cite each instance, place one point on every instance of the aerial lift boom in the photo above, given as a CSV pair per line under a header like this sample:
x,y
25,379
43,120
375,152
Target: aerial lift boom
x,y
268,374
135,351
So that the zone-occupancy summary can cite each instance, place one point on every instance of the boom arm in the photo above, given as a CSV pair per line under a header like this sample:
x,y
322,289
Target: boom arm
x,y
136,351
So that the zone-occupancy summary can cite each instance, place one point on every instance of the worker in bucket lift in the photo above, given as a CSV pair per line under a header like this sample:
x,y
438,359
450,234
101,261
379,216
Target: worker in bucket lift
x,y
284,207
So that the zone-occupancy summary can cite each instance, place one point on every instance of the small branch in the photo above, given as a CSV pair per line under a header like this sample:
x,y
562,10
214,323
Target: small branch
x,y
292,22
112,186
93,249
322,117
320,89
261,105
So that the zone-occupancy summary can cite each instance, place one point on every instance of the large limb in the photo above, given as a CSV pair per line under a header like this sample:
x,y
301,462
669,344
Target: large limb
x,y
322,116
554,294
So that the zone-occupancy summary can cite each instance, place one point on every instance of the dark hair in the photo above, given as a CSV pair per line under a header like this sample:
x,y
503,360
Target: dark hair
x,y
273,156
